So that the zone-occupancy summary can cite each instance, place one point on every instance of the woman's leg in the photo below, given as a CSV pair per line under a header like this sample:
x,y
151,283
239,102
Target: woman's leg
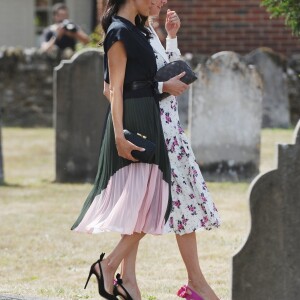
x,y
128,273
111,263
187,244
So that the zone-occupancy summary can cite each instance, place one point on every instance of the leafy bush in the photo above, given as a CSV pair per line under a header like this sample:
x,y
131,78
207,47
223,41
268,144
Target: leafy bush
x,y
289,9
96,37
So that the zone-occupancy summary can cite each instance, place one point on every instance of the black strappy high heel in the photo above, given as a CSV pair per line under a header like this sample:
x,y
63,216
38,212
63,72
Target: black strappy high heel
x,y
119,282
102,291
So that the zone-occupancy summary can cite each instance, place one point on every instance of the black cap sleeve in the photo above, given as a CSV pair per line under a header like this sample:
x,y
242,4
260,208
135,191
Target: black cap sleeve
x,y
117,34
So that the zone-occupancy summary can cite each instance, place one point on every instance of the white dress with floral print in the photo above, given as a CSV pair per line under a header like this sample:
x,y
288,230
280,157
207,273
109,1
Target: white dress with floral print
x,y
193,208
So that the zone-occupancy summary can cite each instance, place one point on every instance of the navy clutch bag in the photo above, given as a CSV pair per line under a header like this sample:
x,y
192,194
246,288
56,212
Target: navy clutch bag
x,y
173,69
141,141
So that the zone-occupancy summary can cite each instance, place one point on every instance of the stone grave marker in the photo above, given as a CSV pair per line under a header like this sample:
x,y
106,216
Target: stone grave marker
x,y
294,95
272,68
268,265
80,113
225,118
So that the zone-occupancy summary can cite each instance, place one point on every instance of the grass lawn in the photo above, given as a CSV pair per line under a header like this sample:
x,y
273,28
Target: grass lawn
x,y
40,256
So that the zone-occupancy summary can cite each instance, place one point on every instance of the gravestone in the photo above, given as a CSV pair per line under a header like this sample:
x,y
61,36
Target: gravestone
x,y
294,95
80,113
225,118
268,265
272,68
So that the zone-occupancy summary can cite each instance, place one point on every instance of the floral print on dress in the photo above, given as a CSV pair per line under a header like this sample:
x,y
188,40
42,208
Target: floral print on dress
x,y
192,205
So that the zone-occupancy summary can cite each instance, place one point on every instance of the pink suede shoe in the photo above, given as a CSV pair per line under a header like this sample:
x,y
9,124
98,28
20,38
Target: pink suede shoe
x,y
187,293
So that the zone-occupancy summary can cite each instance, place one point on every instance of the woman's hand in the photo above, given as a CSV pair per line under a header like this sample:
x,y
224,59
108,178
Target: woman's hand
x,y
172,24
175,86
125,147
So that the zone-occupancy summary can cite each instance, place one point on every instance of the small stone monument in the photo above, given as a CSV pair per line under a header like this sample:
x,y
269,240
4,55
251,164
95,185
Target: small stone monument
x,y
272,68
225,118
268,265
80,112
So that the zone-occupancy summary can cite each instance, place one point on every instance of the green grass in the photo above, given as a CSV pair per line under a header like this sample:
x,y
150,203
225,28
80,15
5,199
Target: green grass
x,y
40,256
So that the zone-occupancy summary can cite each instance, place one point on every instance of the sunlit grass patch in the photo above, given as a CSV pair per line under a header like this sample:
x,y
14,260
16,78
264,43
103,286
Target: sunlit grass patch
x,y
40,256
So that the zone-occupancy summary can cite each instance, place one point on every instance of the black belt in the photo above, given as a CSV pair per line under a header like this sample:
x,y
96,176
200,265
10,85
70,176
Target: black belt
x,y
136,85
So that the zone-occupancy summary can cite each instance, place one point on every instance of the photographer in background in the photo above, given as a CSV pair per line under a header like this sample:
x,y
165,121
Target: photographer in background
x,y
63,33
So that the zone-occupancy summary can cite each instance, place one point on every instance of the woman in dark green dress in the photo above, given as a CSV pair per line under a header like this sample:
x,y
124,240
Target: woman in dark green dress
x,y
128,197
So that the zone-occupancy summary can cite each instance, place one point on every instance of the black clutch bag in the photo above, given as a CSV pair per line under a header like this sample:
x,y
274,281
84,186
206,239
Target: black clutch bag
x,y
173,69
140,141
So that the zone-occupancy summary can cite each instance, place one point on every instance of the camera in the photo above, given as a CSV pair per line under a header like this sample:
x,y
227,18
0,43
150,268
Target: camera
x,y
69,25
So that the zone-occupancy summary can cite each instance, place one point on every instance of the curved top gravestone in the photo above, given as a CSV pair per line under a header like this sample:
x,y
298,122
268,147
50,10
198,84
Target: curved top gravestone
x,y
268,265
80,111
225,118
272,68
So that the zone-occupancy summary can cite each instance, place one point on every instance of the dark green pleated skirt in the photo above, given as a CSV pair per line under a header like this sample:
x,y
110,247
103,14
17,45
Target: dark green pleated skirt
x,y
123,189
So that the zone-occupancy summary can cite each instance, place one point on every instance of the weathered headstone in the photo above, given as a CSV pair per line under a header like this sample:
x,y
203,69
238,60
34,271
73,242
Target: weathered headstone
x,y
272,68
80,112
294,95
225,118
268,265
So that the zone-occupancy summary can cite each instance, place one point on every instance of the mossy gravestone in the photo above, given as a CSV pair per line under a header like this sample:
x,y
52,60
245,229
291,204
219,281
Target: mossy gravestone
x,y
80,113
268,265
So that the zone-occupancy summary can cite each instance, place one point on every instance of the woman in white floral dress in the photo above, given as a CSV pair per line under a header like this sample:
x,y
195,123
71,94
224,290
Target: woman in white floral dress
x,y
193,208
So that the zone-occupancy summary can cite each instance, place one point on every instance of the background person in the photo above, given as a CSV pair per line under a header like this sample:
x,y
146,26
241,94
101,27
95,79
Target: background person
x,y
63,33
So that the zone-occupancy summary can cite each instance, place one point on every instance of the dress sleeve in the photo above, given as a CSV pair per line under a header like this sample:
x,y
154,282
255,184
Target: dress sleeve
x,y
113,35
172,49
117,34
160,86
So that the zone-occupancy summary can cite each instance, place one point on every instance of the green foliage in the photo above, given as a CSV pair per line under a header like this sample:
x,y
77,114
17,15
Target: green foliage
x,y
96,37
289,9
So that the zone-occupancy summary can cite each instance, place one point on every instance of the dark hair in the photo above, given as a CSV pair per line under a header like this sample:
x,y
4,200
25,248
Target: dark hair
x,y
140,23
112,8
57,7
